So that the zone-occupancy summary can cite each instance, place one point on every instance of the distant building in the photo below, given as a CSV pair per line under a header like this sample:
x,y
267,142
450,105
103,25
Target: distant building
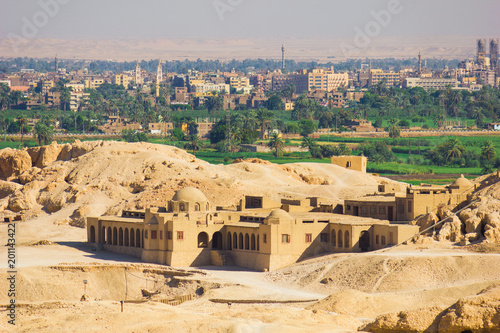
x,y
123,79
392,79
430,83
357,163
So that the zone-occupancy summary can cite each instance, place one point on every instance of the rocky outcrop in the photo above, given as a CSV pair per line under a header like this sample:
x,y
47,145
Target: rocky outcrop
x,y
451,231
421,320
426,221
8,188
479,313
44,156
13,162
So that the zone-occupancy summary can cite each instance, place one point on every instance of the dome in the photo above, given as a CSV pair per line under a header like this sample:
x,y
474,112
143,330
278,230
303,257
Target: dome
x,y
462,182
189,194
279,214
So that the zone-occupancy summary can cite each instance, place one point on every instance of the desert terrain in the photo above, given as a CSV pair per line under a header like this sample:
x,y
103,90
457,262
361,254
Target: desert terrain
x,y
298,49
430,284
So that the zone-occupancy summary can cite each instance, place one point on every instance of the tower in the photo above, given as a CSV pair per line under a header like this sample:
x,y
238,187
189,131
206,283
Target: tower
x,y
419,63
159,78
494,54
283,56
138,80
481,51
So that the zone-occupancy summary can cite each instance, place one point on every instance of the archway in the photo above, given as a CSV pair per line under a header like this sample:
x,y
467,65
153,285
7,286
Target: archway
x,y
132,238
241,241
138,238
252,243
110,236
235,241
120,237
127,240
229,247
115,236
247,242
217,241
334,238
258,243
364,241
92,234
103,235
202,239
346,239
339,238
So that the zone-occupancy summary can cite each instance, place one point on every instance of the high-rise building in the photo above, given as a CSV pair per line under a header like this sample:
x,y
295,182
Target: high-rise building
x,y
494,54
481,51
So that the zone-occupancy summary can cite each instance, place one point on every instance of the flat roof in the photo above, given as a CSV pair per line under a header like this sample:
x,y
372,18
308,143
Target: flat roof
x,y
121,219
373,199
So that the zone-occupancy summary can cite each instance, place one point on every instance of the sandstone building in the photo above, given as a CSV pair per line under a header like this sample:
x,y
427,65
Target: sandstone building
x,y
259,234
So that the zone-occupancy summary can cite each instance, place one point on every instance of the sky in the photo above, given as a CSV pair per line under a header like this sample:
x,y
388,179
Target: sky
x,y
242,19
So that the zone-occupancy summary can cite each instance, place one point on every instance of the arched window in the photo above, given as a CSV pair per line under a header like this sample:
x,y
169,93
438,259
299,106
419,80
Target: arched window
x,y
202,239
120,238
346,239
132,238
339,239
115,236
103,235
110,236
229,247
247,242
126,237
235,241
138,238
252,243
334,238
196,207
217,241
92,234
241,241
181,207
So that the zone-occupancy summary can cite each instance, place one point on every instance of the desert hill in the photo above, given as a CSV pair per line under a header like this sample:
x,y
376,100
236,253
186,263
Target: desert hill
x,y
73,181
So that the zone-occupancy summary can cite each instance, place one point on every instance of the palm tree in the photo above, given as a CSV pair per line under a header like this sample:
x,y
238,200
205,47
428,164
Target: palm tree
x,y
488,152
43,133
263,118
194,143
277,144
23,122
393,129
452,149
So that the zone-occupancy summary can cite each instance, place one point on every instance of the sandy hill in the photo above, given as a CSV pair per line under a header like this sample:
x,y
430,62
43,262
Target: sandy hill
x,y
76,180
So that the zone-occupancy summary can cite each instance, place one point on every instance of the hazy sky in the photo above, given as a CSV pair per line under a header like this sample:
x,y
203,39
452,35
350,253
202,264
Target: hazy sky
x,y
219,19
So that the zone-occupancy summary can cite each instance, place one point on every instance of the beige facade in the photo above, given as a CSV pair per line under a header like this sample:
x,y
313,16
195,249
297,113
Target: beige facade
x,y
123,79
416,201
357,163
257,235
392,79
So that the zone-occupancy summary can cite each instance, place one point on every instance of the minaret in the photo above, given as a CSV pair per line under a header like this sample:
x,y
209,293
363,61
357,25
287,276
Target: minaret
x,y
138,74
419,63
159,78
283,57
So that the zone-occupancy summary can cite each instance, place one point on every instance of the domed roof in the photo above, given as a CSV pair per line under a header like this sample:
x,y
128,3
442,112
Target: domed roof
x,y
462,182
279,214
189,194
